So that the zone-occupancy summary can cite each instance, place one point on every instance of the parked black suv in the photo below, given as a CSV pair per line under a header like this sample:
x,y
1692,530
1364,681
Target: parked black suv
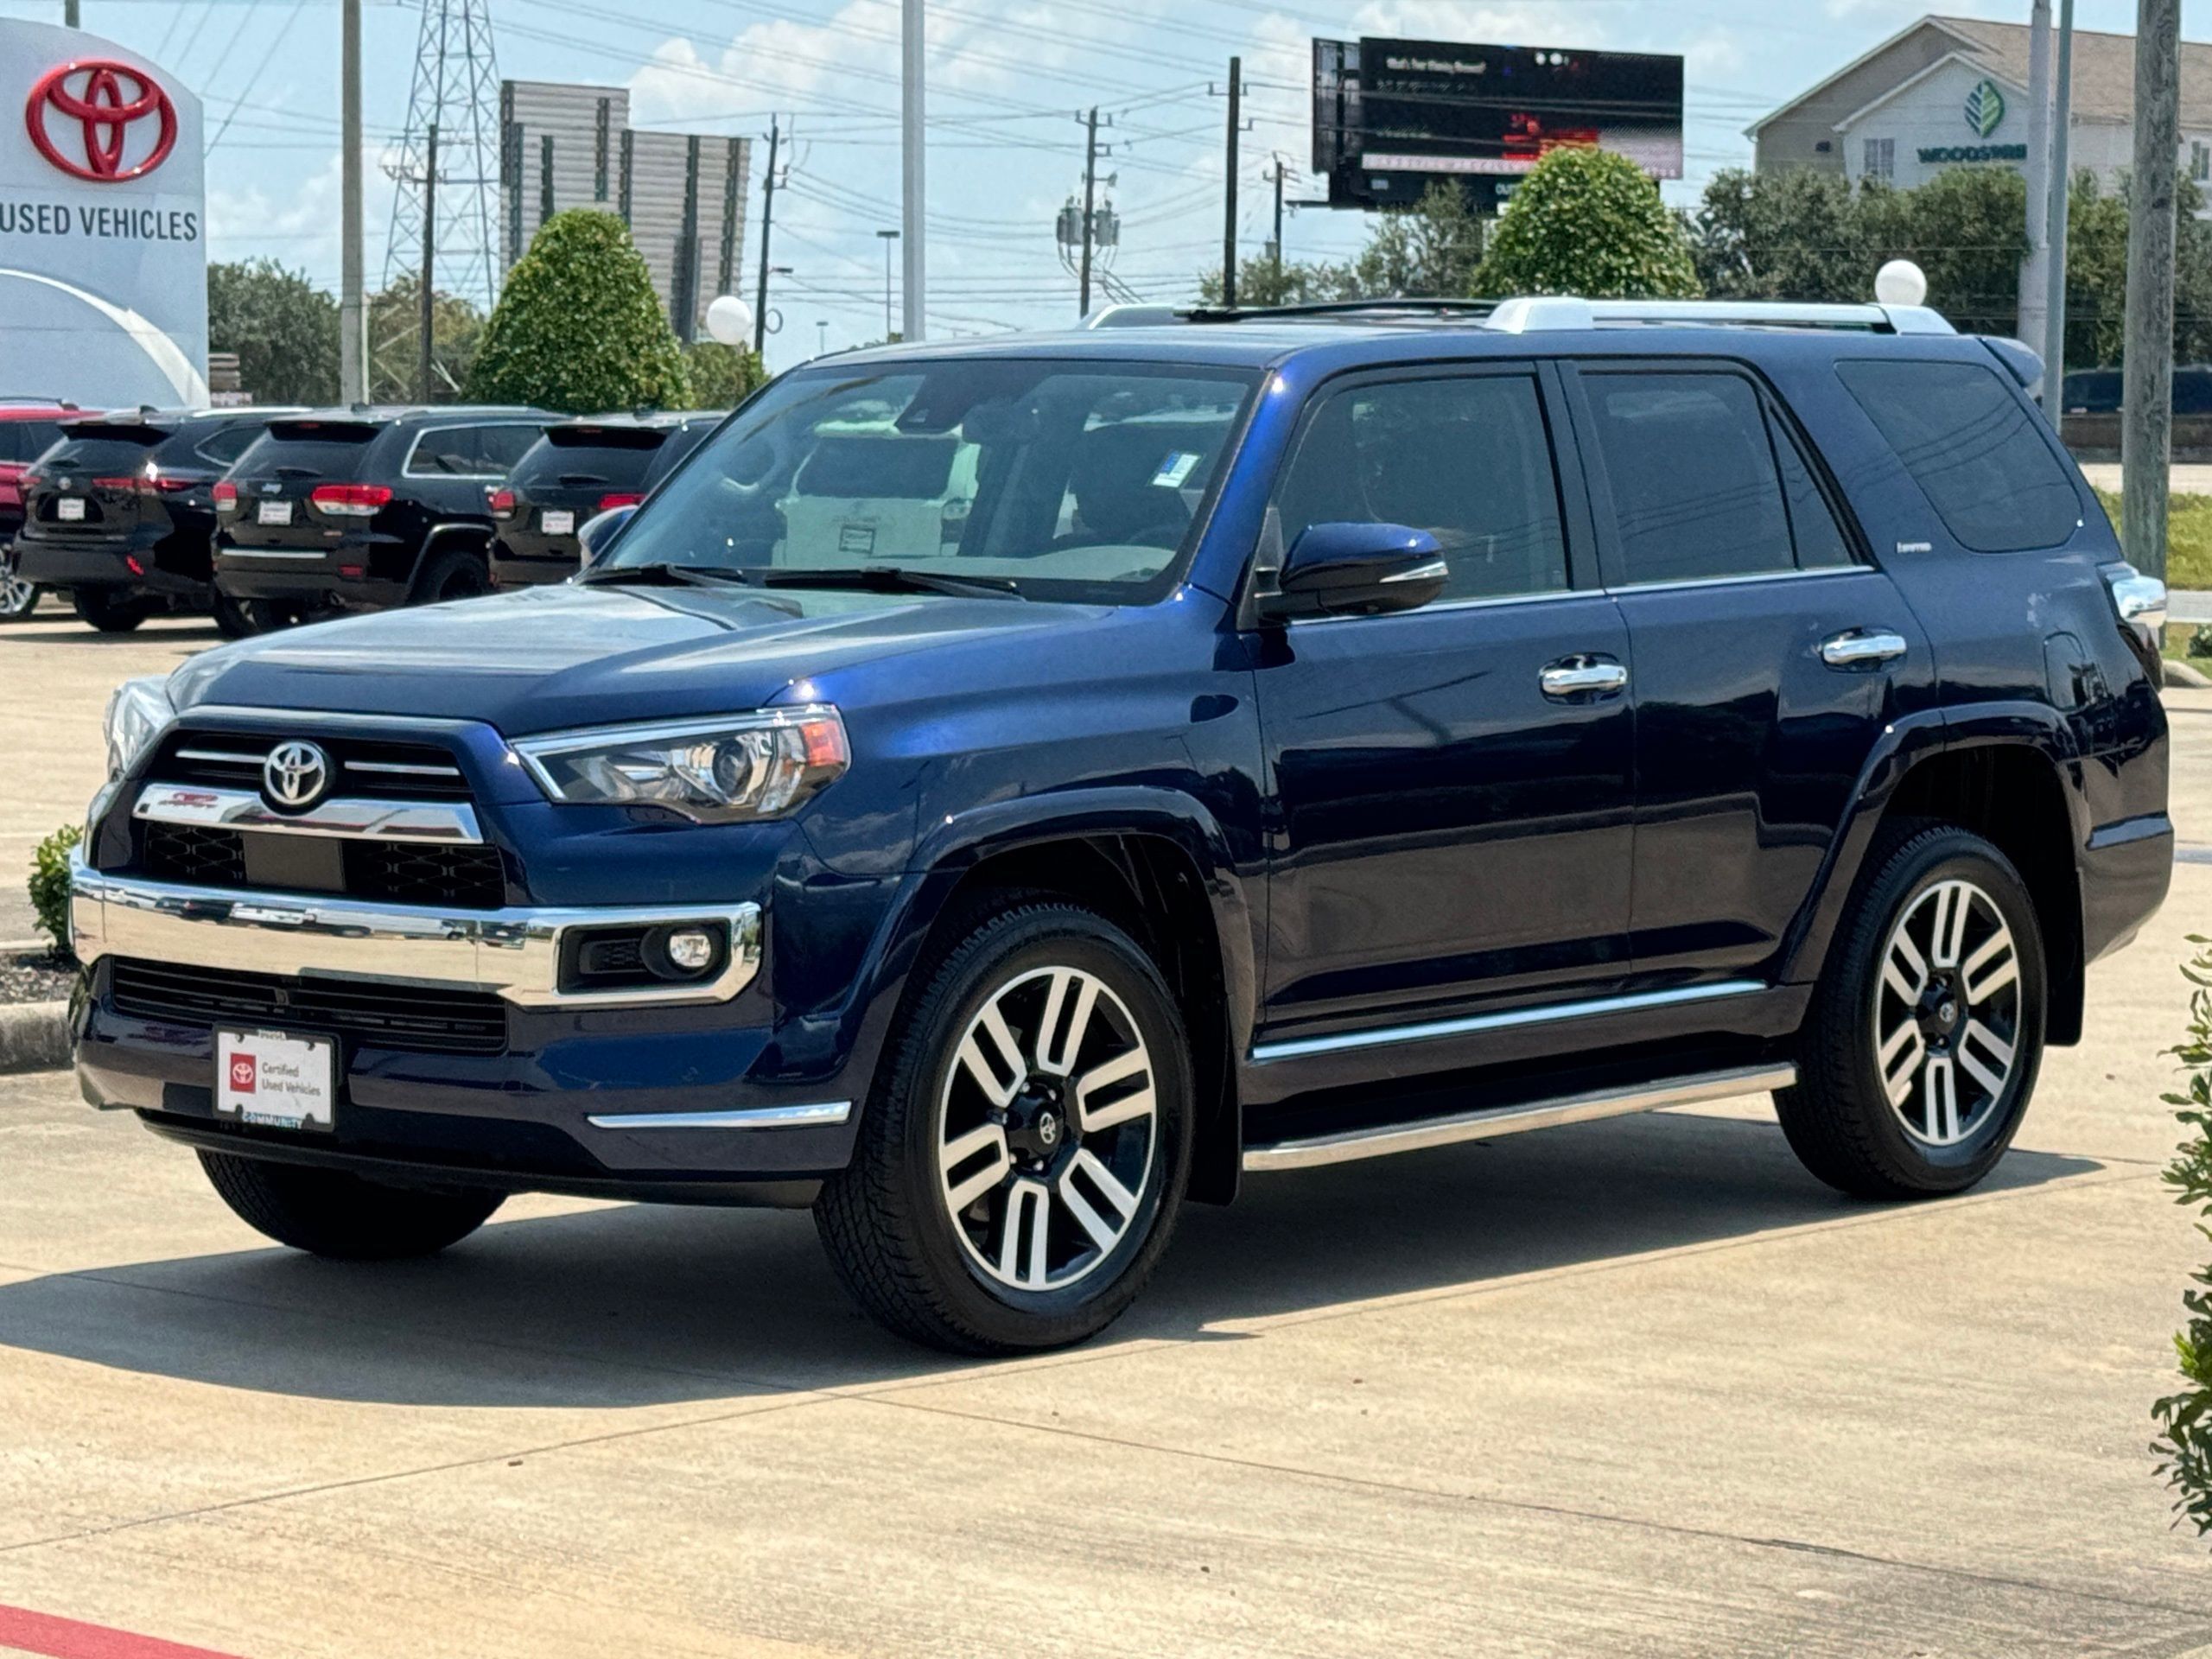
x,y
995,791
578,470
361,509
122,511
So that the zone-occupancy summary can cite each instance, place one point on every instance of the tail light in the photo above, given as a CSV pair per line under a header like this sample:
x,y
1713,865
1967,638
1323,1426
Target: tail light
x,y
503,504
349,500
162,483
129,484
226,496
619,499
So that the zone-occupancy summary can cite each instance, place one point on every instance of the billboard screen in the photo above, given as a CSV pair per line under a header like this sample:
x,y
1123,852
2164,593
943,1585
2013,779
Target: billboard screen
x,y
1390,116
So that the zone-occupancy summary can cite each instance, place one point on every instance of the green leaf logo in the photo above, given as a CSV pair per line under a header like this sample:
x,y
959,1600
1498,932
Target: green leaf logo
x,y
1984,109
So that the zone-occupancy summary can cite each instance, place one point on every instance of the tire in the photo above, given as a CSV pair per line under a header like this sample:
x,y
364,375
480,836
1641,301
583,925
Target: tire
x,y
18,598
111,610
270,615
456,573
330,1212
1903,1096
232,620
922,1246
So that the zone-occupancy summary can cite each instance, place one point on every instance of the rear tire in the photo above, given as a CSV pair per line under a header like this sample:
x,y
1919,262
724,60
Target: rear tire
x,y
231,619
111,610
18,598
1920,1051
270,615
458,573
330,1212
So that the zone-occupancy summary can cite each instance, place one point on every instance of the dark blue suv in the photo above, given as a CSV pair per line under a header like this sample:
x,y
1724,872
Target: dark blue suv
x,y
993,793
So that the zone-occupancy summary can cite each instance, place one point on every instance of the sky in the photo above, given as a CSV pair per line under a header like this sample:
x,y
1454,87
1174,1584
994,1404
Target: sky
x,y
1006,81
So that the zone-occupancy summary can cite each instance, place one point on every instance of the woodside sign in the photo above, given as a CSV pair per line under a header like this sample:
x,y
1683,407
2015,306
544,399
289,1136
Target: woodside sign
x,y
103,224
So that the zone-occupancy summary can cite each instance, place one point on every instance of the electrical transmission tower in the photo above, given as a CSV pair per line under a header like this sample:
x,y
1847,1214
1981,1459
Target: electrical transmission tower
x,y
443,223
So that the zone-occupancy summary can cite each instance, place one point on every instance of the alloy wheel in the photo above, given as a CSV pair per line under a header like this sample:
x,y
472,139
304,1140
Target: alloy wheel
x,y
1947,1012
1047,1132
17,597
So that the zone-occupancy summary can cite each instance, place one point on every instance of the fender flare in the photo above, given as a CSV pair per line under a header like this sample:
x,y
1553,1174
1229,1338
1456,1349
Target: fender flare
x,y
482,534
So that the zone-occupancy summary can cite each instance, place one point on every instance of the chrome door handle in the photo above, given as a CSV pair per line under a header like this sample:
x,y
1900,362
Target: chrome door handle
x,y
1862,648
1583,676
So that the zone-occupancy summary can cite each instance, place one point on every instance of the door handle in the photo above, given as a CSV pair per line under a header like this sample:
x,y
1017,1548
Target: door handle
x,y
1862,648
1583,676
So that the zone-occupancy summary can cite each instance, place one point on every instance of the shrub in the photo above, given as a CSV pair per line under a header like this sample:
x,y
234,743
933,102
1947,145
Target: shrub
x,y
723,377
2185,1419
1588,222
578,326
49,884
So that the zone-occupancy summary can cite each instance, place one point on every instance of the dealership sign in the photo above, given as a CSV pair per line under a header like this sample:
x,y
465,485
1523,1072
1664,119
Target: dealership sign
x,y
103,222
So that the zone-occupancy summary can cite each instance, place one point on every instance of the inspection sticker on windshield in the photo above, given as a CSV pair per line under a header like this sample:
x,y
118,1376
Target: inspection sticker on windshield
x,y
1174,470
274,1080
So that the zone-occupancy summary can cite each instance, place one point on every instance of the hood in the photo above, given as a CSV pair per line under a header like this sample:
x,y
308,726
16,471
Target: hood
x,y
545,658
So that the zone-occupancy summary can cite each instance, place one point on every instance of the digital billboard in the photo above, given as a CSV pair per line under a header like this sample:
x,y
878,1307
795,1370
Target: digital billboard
x,y
1391,117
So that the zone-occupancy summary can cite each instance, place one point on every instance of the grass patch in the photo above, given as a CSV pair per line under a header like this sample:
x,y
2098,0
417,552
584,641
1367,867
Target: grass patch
x,y
2188,538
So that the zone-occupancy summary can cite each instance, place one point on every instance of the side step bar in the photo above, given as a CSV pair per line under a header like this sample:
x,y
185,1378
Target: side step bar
x,y
1350,1144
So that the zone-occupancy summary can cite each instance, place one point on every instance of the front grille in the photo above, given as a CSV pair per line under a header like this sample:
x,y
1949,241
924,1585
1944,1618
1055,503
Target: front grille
x,y
414,1019
368,767
391,872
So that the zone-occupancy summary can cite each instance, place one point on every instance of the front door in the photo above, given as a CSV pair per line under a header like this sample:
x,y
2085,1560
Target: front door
x,y
1451,785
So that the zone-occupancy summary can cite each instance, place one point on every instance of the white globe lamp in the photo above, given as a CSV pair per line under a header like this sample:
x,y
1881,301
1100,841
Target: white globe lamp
x,y
729,319
1899,282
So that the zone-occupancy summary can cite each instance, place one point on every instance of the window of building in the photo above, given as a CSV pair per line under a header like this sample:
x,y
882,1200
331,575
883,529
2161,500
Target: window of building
x,y
2200,160
1881,158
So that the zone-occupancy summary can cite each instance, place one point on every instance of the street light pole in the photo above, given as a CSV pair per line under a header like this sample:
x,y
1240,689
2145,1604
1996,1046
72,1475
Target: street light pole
x,y
2033,280
352,329
69,15
912,43
2054,309
889,236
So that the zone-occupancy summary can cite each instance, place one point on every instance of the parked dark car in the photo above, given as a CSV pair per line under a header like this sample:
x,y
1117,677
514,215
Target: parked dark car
x,y
122,510
28,427
995,791
363,509
578,470
2098,391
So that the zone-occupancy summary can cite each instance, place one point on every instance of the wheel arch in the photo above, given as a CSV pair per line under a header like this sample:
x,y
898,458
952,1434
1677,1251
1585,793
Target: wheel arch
x,y
440,536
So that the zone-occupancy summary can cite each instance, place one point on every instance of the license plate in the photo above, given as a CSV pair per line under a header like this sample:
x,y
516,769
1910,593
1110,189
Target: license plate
x,y
275,1080
555,523
273,513
69,509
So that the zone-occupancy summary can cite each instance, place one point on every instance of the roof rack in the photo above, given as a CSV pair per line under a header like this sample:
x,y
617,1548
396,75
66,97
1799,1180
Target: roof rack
x,y
1545,313
1472,310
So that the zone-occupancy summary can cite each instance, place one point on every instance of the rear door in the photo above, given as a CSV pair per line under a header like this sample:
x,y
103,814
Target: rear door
x,y
1767,653
91,485
276,475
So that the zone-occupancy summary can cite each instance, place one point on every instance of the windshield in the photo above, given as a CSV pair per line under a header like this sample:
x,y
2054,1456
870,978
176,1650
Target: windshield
x,y
1072,479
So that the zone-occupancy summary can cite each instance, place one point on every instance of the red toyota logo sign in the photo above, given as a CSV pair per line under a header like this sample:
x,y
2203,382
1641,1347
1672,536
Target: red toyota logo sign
x,y
83,117
242,1074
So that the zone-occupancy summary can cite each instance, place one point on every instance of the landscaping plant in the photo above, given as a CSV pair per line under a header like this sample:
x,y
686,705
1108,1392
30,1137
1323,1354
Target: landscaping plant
x,y
49,884
2185,1419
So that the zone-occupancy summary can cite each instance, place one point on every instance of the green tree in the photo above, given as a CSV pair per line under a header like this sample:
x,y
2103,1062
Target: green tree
x,y
1431,250
721,376
1260,281
1796,234
283,327
578,326
1967,229
394,332
1586,221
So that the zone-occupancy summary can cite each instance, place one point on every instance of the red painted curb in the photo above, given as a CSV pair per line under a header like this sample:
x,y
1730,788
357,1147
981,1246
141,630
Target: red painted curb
x,y
68,1638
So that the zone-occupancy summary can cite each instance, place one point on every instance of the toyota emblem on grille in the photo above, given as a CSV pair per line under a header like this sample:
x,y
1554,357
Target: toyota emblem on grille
x,y
295,774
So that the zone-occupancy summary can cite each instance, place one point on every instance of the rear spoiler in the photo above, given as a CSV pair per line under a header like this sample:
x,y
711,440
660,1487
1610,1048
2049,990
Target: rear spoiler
x,y
96,426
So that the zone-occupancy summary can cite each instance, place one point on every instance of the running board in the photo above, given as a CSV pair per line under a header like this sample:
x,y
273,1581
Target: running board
x,y
1350,1144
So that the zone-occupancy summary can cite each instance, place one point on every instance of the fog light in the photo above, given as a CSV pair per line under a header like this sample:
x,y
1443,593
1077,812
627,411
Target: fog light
x,y
691,949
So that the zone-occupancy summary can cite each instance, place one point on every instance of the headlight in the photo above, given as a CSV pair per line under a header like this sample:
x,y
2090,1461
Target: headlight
x,y
725,770
139,712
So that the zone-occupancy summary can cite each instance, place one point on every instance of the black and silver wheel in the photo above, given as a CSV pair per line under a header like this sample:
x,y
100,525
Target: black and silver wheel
x,y
330,1212
1921,1049
1021,1162
18,598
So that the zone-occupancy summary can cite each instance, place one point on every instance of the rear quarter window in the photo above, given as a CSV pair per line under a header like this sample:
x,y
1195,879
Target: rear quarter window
x,y
1972,448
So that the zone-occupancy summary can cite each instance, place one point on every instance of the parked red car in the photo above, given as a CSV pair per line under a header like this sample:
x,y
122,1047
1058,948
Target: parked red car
x,y
28,427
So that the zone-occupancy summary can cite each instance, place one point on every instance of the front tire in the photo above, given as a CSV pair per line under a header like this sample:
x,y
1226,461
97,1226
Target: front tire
x,y
1026,1148
330,1212
231,619
110,610
456,573
1921,1048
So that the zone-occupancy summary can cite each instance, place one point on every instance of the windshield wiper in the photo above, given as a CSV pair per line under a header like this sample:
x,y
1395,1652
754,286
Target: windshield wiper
x,y
667,575
893,579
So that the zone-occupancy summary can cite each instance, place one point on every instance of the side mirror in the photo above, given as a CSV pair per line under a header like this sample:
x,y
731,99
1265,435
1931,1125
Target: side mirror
x,y
1357,569
597,532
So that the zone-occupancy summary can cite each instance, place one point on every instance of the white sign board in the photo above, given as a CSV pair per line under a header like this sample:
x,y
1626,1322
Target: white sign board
x,y
103,224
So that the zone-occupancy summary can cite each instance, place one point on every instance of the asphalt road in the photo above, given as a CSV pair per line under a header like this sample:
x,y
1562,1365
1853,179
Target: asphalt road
x,y
1637,1387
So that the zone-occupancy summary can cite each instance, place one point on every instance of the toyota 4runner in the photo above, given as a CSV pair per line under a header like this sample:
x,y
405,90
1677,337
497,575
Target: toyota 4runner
x,y
993,793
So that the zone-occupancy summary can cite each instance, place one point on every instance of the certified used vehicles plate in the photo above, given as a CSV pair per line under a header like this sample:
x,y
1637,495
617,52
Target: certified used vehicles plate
x,y
275,1078
69,509
554,522
273,513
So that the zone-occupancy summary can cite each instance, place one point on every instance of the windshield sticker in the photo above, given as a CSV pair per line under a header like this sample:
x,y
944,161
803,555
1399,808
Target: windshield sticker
x,y
1174,470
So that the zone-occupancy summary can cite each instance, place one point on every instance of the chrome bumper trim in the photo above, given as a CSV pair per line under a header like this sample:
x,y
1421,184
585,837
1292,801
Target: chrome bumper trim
x,y
515,953
437,823
818,1114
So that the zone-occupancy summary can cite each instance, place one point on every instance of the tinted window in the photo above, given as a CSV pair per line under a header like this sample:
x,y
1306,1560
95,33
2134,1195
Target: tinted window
x,y
1465,460
498,448
1819,538
445,452
580,465
308,449
107,449
1973,447
226,443
679,443
1695,490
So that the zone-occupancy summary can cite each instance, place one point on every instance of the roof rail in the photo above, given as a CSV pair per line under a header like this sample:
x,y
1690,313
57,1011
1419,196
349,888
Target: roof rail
x,y
1419,305
1546,313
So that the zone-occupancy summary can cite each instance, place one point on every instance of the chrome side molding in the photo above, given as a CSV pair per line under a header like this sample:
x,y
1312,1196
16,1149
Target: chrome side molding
x,y
1353,1144
1542,1013
813,1116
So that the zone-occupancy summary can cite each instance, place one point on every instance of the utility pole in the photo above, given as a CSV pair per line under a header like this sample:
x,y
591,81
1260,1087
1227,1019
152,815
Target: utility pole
x,y
69,17
889,236
2146,416
1274,247
1090,208
353,319
767,219
425,305
913,64
1229,205
2033,278
2062,123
